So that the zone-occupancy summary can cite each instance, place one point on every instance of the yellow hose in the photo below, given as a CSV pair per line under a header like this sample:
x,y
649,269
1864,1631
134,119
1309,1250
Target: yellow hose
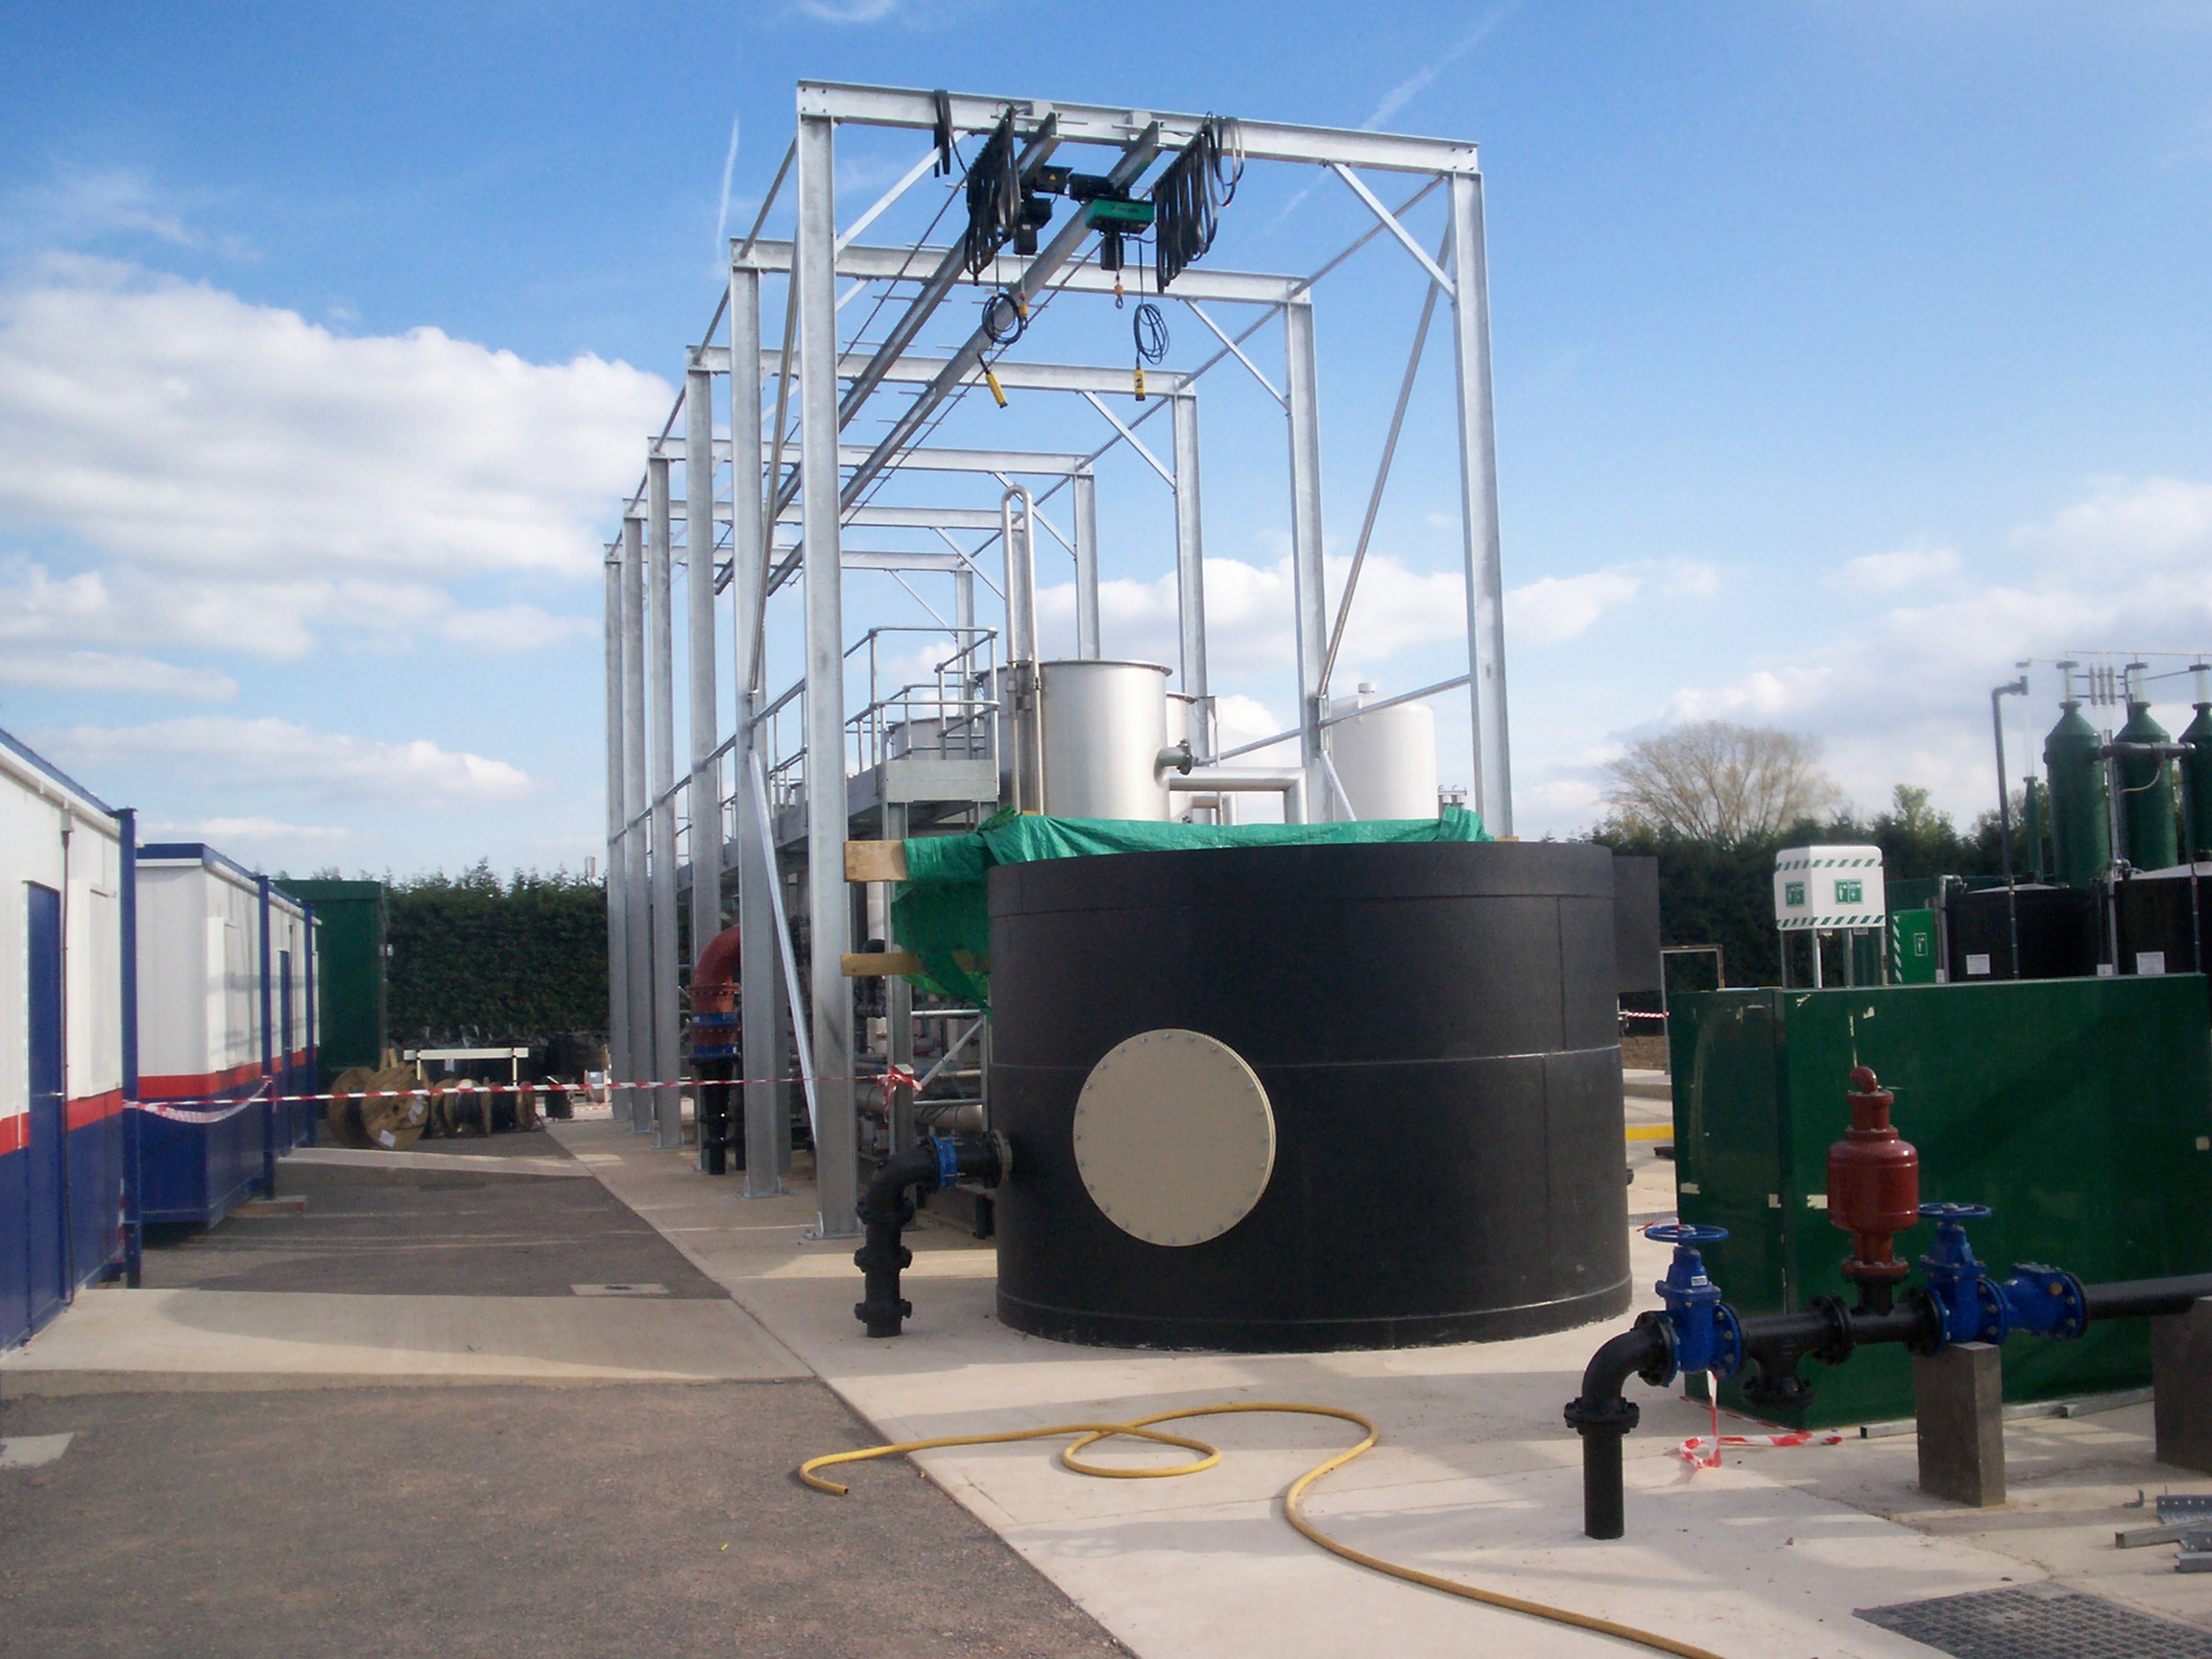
x,y
1293,1500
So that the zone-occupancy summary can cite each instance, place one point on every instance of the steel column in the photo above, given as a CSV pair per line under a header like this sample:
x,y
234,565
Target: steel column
x,y
837,1172
660,644
705,792
1309,585
617,942
1479,503
1086,564
1191,573
635,1105
760,1001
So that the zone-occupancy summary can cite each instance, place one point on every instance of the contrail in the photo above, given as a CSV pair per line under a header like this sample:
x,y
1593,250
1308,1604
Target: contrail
x,y
729,172
1416,84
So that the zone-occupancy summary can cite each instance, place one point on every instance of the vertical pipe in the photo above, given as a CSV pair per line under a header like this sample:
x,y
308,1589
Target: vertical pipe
x,y
706,796
268,1068
660,644
1478,506
1308,573
898,1004
133,1228
2004,825
617,942
1191,573
1085,485
759,985
314,1067
828,906
633,1105
1022,720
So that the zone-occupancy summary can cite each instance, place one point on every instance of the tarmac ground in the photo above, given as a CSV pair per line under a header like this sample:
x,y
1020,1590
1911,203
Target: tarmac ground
x,y
253,1486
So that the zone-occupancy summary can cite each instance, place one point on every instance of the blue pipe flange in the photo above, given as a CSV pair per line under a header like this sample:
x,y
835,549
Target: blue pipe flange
x,y
1706,1334
2047,1300
947,1161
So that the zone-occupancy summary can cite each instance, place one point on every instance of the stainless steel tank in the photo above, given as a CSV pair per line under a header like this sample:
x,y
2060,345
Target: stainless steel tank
x,y
1386,759
1104,725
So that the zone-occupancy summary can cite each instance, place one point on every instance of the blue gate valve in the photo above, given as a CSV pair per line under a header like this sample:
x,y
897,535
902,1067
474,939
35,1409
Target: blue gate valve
x,y
1703,1328
2038,1299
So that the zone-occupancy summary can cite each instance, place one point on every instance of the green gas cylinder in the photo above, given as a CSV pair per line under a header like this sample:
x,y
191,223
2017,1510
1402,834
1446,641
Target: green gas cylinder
x,y
2199,780
2147,794
2080,837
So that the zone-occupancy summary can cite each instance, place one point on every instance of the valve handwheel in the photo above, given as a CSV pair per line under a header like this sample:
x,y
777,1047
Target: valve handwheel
x,y
1690,1232
1954,1213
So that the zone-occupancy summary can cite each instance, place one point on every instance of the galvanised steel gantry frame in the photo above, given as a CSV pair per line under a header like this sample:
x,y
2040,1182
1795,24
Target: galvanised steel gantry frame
x,y
822,489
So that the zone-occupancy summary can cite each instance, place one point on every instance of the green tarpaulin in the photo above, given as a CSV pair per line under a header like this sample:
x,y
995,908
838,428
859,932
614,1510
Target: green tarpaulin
x,y
938,912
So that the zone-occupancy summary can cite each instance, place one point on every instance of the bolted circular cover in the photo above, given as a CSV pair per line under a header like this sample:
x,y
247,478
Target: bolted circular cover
x,y
1174,1137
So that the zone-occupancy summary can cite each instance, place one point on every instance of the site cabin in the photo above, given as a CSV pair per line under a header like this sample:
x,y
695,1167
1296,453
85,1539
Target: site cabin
x,y
226,1031
63,859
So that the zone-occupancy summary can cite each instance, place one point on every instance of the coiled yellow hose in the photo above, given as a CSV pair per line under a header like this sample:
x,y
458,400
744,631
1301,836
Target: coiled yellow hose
x,y
1089,1434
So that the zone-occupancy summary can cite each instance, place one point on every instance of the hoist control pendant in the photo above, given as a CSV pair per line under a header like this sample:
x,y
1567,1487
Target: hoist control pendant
x,y
1873,1188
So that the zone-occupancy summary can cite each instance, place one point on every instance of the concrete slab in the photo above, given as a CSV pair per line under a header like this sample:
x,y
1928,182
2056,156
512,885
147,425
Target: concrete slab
x,y
145,1341
473,1163
1476,1477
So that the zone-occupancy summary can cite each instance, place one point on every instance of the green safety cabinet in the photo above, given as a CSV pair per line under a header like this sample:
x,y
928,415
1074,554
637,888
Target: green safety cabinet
x,y
349,971
2078,1109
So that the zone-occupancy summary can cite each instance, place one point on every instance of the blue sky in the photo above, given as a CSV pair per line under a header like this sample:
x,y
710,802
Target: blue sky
x,y
1845,355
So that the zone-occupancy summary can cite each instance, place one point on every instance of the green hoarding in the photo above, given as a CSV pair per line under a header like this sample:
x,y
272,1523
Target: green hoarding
x,y
2079,1110
351,971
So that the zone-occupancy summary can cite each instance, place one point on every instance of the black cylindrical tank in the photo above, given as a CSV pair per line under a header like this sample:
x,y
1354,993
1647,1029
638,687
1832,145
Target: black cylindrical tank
x,y
1435,1029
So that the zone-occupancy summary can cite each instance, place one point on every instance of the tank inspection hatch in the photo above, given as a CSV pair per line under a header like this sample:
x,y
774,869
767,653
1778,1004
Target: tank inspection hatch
x,y
1174,1137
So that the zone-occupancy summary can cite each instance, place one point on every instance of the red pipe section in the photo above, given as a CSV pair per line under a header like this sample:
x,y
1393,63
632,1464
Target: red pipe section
x,y
714,980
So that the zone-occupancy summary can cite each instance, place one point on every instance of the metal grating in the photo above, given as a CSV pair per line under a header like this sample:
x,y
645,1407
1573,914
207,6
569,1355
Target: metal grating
x,y
2039,1621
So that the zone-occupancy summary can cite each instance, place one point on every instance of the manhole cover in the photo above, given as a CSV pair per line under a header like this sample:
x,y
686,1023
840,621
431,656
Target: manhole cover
x,y
2039,1621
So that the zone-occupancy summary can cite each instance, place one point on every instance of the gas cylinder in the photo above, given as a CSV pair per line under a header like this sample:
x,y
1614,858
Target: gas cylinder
x,y
2147,812
1873,1188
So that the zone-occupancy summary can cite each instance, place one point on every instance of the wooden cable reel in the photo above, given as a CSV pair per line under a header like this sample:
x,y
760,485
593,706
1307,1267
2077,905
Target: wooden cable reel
x,y
342,1116
396,1121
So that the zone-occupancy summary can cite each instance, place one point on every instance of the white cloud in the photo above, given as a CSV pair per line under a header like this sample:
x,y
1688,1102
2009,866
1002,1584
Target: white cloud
x,y
849,10
1895,572
1899,691
250,831
1561,608
273,757
2161,519
252,480
98,671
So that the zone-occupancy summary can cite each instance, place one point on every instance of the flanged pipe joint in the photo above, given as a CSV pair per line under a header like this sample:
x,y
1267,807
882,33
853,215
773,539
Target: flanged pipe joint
x,y
931,1164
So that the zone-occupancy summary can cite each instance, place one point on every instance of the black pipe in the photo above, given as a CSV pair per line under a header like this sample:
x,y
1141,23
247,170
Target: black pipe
x,y
1776,1342
2146,1298
886,1208
1602,1416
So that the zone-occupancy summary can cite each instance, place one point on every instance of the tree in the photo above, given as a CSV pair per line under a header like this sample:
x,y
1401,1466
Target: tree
x,y
1720,783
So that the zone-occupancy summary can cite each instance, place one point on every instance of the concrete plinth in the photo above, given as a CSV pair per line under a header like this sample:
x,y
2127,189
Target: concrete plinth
x,y
1959,1399
2181,1375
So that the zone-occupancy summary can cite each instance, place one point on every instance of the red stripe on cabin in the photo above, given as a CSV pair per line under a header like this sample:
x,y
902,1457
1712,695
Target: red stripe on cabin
x,y
187,1086
13,1131
95,1107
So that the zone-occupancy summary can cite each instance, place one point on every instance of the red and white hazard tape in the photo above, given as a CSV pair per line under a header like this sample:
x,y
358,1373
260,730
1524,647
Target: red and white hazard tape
x,y
1693,1450
1642,1014
182,1110
190,1112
